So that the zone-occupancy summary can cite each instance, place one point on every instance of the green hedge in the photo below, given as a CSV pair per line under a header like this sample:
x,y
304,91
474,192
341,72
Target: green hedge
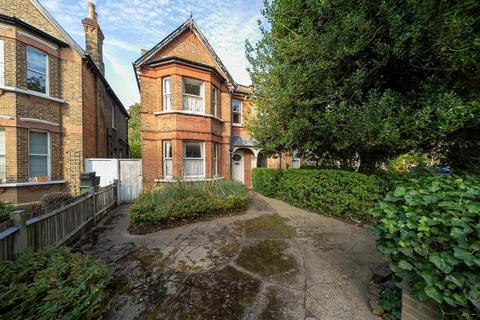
x,y
53,284
4,212
430,230
338,193
182,202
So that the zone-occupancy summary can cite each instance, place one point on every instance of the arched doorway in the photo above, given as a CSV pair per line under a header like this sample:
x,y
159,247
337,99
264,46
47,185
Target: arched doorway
x,y
243,159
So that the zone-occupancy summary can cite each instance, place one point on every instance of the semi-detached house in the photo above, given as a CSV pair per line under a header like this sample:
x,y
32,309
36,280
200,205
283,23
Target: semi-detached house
x,y
194,115
56,107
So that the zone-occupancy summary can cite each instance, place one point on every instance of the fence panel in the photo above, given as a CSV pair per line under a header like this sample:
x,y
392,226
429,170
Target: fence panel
x,y
56,227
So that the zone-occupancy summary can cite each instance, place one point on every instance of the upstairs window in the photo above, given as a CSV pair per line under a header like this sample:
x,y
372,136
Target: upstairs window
x,y
167,159
37,70
215,101
2,67
193,95
167,94
193,159
38,154
3,151
236,111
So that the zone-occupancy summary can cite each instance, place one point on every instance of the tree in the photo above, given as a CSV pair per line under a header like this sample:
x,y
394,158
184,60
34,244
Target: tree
x,y
134,135
368,79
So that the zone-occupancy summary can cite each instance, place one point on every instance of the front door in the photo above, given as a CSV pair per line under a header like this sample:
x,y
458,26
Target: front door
x,y
238,166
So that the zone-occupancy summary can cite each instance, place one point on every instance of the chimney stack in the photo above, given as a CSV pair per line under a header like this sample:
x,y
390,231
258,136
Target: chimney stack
x,y
94,37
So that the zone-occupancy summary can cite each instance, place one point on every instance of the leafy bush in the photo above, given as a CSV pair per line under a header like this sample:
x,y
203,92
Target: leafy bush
x,y
338,193
187,201
55,200
4,212
430,229
52,284
265,181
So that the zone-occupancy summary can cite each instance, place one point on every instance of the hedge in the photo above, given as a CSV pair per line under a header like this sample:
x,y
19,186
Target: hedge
x,y
183,202
53,284
344,194
430,230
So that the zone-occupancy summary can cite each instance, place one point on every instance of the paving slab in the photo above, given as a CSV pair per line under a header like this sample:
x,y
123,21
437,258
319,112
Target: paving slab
x,y
274,261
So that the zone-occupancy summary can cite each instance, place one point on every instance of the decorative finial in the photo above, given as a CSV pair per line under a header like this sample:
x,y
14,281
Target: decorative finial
x,y
191,14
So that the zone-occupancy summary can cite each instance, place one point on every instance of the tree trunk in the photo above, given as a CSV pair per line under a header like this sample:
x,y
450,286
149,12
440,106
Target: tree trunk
x,y
367,163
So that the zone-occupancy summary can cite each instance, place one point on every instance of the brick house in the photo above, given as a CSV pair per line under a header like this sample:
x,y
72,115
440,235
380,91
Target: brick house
x,y
56,108
193,114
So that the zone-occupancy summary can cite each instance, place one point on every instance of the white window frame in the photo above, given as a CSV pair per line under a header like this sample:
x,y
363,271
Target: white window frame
x,y
241,113
165,158
166,94
202,94
47,78
4,154
113,117
202,150
215,101
215,159
2,62
49,164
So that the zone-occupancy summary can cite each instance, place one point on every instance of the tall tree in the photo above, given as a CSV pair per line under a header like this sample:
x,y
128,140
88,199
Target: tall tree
x,y
368,79
134,135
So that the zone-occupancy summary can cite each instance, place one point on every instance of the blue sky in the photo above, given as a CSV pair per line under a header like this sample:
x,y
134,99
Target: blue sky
x,y
129,25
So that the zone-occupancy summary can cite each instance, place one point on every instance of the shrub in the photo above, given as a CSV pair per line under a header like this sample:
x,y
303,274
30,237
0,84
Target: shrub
x,y
265,181
55,200
52,284
4,212
430,229
187,201
338,193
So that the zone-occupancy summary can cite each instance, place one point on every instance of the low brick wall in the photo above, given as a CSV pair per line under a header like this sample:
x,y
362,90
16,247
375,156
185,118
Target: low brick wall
x,y
412,309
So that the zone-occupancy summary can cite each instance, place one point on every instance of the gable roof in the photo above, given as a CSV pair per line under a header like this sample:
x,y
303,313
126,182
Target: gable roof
x,y
189,24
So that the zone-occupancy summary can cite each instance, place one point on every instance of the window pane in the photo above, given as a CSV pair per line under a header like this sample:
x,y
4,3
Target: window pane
x,y
236,118
2,141
36,81
192,88
193,167
168,168
36,60
168,149
3,168
193,150
37,166
167,85
236,105
2,64
38,143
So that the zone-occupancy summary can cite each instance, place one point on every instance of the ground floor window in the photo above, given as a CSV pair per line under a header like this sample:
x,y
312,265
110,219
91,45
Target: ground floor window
x,y
3,152
215,159
193,159
167,158
38,154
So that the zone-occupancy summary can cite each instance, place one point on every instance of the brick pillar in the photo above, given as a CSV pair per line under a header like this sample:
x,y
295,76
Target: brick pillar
x,y
177,148
177,90
412,309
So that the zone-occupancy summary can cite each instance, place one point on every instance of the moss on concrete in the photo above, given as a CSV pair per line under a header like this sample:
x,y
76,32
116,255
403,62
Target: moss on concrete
x,y
269,226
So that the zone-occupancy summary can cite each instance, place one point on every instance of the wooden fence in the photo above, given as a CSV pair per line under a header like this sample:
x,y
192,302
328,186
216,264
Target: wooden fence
x,y
55,227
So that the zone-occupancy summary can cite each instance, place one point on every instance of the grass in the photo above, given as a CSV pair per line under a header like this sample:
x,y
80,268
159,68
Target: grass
x,y
184,202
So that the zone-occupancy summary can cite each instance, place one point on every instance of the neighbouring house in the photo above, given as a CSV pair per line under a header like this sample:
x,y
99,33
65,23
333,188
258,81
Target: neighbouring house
x,y
56,107
194,115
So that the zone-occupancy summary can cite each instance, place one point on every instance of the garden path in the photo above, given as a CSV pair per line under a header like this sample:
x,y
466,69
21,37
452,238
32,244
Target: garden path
x,y
273,262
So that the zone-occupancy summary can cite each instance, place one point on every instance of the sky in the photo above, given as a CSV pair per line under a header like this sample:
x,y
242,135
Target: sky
x,y
130,25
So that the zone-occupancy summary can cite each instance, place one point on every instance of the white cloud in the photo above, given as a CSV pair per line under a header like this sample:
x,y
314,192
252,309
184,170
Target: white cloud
x,y
129,25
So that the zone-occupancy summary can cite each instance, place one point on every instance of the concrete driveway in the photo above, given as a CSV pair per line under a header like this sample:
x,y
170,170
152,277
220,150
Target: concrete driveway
x,y
274,262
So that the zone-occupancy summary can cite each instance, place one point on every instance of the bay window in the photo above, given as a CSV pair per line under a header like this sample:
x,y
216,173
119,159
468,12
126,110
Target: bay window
x,y
37,70
167,94
3,162
215,101
167,159
38,154
236,111
193,95
193,159
215,159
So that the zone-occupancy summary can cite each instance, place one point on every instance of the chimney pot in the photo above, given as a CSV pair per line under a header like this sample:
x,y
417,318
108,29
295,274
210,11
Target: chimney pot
x,y
91,11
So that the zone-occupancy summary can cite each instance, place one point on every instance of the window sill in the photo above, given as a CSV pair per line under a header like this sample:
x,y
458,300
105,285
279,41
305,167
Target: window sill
x,y
31,93
28,184
238,125
197,179
188,113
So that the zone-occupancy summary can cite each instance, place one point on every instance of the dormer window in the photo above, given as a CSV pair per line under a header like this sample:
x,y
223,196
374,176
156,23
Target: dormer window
x,y
193,95
37,70
167,94
236,112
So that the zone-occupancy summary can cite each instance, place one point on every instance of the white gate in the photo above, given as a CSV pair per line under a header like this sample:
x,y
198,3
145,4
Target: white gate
x,y
128,173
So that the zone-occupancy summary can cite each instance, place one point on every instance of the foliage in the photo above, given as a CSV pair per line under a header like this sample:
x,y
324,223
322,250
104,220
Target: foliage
x,y
344,194
4,212
368,80
134,134
265,181
406,161
55,200
187,201
390,299
430,229
52,284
